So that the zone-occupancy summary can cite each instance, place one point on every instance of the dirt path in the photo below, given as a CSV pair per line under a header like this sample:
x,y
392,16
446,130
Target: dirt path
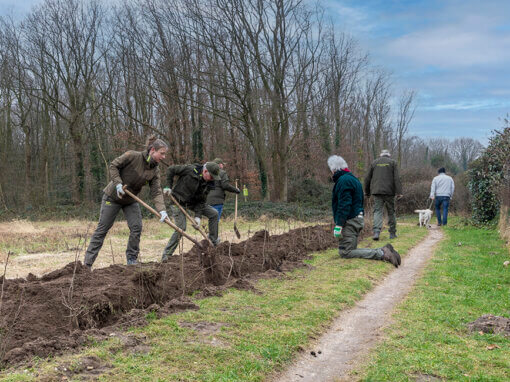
x,y
357,330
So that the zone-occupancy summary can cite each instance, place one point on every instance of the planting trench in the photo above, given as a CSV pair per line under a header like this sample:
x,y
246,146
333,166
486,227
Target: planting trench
x,y
41,316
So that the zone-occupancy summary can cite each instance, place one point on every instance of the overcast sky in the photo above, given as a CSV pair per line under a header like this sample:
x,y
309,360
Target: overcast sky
x,y
454,53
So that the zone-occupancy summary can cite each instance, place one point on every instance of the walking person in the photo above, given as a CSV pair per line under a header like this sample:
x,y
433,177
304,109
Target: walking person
x,y
133,169
441,191
194,183
348,214
383,182
216,197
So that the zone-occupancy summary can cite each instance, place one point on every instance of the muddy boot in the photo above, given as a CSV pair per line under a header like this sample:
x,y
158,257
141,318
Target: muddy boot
x,y
395,253
393,235
132,262
89,267
376,236
389,256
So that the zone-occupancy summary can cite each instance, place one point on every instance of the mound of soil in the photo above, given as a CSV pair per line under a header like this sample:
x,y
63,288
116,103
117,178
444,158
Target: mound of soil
x,y
489,323
60,310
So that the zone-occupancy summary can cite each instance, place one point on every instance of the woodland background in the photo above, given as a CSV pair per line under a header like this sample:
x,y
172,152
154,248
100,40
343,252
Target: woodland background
x,y
270,86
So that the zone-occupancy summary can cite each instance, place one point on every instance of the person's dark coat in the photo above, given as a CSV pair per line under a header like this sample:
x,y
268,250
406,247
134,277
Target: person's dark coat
x,y
217,193
135,169
383,178
347,198
191,188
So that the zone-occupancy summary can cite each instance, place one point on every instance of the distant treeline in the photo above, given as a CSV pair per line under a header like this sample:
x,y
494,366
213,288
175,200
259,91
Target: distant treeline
x,y
270,86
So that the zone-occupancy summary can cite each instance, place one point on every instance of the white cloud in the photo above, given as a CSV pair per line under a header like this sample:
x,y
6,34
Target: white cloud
x,y
354,19
469,105
463,39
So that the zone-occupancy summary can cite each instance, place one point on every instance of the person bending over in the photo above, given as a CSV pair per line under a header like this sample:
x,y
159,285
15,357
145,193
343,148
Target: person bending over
x,y
191,191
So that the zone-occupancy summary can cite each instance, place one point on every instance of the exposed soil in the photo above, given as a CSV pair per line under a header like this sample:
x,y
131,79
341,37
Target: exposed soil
x,y
41,316
491,324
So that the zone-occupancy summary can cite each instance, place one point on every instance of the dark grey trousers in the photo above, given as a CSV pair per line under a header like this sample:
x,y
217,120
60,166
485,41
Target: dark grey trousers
x,y
180,220
107,215
348,244
379,202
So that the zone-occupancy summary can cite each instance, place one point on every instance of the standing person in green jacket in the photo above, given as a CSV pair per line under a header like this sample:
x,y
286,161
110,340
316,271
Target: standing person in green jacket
x,y
383,182
348,214
133,169
216,197
194,183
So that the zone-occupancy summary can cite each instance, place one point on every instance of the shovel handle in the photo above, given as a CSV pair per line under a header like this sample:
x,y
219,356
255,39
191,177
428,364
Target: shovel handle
x,y
192,221
167,220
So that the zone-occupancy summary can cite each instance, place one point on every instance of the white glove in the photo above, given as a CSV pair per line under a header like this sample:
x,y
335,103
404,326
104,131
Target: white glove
x,y
167,191
197,220
120,191
164,215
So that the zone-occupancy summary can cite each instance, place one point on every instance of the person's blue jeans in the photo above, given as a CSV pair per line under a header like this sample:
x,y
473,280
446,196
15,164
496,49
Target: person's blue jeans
x,y
442,201
219,208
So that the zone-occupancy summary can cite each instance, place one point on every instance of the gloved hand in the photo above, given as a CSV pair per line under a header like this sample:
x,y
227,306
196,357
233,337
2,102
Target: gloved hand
x,y
337,232
197,220
237,191
120,191
167,191
164,215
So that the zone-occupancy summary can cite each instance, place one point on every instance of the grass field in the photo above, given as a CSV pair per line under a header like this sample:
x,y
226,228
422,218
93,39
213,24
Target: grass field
x,y
240,336
429,340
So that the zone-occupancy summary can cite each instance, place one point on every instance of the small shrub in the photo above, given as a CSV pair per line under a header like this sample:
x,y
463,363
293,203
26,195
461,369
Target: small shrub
x,y
487,177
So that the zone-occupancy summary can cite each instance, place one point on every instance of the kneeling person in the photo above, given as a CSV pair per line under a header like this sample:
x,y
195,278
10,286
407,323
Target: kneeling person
x,y
191,191
347,204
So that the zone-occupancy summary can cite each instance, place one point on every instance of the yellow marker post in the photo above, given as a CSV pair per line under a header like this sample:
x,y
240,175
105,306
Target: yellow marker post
x,y
245,192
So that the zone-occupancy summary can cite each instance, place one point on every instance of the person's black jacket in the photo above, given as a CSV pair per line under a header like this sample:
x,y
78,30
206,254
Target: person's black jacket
x,y
191,189
217,194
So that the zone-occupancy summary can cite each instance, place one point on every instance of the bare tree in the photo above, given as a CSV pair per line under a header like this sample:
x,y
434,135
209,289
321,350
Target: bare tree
x,y
405,114
465,150
64,37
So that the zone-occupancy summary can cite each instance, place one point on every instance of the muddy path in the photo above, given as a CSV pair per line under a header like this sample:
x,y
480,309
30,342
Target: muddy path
x,y
42,316
357,330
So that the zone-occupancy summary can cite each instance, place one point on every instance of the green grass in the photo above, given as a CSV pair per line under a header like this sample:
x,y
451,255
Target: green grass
x,y
259,332
465,280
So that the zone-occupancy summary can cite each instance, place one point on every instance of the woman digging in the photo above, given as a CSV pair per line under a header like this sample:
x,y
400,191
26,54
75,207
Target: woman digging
x,y
133,169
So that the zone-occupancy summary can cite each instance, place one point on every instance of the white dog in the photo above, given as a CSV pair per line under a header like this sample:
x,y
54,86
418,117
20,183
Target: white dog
x,y
424,217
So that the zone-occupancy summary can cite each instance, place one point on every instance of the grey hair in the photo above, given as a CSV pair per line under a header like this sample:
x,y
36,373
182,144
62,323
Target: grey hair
x,y
385,153
336,163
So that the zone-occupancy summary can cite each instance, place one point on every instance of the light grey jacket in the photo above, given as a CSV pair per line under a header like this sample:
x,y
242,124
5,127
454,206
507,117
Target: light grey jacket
x,y
442,185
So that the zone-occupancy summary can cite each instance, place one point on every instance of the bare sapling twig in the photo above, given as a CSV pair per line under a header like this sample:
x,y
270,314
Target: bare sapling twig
x,y
244,255
75,309
7,330
68,300
181,253
264,248
231,259
3,281
113,254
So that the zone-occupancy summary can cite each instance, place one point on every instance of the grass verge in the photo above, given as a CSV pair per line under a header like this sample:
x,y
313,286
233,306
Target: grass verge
x,y
429,339
247,335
